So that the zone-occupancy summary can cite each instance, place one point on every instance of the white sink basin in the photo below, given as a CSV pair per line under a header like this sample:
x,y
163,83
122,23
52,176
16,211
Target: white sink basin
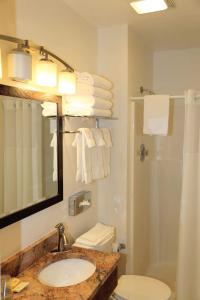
x,y
66,272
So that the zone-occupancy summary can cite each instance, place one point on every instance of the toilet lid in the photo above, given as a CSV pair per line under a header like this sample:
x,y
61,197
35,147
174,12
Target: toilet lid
x,y
133,287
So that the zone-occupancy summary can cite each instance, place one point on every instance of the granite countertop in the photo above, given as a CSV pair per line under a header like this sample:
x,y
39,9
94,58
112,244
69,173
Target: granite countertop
x,y
105,264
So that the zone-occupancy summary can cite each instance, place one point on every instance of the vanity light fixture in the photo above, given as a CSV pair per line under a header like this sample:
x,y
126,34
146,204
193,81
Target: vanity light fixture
x,y
20,64
67,82
46,72
148,6
0,66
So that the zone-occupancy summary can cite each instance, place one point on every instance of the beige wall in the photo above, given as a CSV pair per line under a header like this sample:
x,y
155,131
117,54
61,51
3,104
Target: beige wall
x,y
8,17
140,74
54,25
129,63
112,192
176,70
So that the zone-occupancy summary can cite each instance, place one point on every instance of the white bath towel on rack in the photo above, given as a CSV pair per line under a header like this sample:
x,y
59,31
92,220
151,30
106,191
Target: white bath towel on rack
x,y
67,110
83,102
84,143
107,150
78,144
93,154
92,79
54,146
90,90
98,155
156,114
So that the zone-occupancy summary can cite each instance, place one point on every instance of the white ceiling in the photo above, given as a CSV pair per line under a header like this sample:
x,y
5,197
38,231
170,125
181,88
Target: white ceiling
x,y
175,28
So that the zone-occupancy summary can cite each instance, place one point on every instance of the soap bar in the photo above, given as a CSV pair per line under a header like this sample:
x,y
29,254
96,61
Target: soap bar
x,y
20,286
14,282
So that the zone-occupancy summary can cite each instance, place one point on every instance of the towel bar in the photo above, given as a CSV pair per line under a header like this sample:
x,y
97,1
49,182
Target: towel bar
x,y
96,118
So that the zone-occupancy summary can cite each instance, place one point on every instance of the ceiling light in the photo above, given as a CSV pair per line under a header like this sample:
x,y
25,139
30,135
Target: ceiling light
x,y
148,6
19,65
46,72
67,82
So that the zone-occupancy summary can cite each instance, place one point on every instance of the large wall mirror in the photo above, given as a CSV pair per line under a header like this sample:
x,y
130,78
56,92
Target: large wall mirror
x,y
30,153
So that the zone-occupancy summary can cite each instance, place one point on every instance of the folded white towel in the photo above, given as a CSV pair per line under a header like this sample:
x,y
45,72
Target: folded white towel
x,y
97,235
90,90
49,109
49,105
92,79
89,242
156,114
48,113
86,111
81,102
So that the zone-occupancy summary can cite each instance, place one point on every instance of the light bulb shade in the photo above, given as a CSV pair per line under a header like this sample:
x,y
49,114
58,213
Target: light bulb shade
x,y
19,65
67,83
0,66
46,73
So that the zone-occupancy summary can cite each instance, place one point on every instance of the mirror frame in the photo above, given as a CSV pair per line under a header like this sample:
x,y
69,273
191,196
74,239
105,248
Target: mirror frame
x,y
6,90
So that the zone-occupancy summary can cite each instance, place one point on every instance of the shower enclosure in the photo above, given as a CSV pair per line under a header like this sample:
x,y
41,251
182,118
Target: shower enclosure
x,y
156,195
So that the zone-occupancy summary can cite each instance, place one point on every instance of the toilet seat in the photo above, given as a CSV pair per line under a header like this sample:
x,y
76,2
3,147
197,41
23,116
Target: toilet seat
x,y
134,287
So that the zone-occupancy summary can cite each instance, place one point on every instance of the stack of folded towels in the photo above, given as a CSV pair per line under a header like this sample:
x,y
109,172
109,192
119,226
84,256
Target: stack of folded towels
x,y
97,237
93,97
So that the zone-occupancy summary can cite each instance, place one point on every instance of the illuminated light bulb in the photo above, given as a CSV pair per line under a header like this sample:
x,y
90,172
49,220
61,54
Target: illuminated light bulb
x,y
46,73
19,65
67,83
148,6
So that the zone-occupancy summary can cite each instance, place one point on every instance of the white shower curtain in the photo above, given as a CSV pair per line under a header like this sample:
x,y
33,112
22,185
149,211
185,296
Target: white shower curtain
x,y
22,153
188,273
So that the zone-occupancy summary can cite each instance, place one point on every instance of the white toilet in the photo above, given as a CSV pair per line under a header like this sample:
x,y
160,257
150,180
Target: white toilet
x,y
132,287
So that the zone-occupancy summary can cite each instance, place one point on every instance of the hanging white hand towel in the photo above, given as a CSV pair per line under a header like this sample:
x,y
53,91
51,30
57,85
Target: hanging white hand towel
x,y
55,166
97,155
84,142
156,114
78,144
106,150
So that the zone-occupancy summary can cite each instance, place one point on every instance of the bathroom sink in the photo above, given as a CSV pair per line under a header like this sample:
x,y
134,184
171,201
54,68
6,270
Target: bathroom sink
x,y
66,272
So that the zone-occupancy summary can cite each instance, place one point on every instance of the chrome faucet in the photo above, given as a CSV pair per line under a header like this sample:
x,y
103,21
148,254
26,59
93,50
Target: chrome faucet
x,y
63,243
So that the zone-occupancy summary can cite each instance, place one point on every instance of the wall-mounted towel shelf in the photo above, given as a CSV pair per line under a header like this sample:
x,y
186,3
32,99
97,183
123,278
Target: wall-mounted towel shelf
x,y
96,118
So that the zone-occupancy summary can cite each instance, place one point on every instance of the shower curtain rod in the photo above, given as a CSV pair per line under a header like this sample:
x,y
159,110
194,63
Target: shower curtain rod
x,y
177,97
